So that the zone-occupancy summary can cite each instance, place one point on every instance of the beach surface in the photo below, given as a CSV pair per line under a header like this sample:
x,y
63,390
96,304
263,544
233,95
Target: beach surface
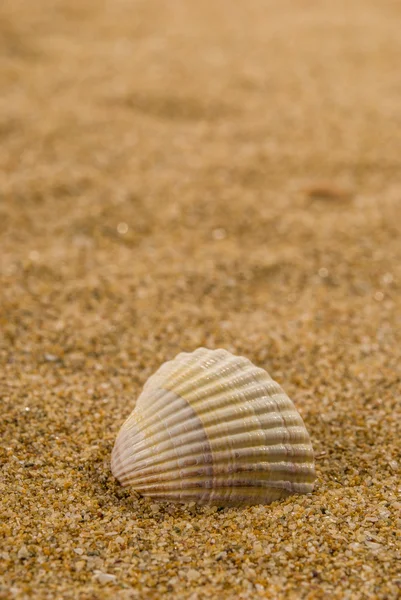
x,y
183,174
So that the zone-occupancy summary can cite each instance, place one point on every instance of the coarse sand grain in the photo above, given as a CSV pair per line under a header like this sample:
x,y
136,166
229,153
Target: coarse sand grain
x,y
181,174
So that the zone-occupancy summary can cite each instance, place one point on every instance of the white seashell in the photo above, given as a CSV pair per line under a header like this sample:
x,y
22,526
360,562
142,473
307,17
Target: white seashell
x,y
212,428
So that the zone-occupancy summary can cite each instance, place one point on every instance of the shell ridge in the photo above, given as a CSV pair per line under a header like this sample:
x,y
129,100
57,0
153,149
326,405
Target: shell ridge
x,y
263,470
296,453
202,384
273,435
221,399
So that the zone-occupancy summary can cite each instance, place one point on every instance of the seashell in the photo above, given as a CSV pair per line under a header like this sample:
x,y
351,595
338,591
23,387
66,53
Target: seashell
x,y
213,428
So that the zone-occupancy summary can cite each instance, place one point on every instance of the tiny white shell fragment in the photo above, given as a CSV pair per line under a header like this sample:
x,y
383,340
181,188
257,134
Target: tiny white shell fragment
x,y
213,428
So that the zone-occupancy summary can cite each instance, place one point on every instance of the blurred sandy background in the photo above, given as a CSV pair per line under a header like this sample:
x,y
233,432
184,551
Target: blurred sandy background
x,y
177,174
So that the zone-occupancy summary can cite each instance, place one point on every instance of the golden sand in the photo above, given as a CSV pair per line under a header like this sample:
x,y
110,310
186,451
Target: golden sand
x,y
181,174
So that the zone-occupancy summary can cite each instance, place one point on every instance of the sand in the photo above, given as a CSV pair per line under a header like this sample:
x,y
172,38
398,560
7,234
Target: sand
x,y
182,174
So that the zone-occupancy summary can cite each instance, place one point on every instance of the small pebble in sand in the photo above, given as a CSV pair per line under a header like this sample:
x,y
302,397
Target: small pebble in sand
x,y
104,577
122,228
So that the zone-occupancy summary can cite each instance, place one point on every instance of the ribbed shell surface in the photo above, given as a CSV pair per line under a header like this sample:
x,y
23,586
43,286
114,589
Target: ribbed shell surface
x,y
212,428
